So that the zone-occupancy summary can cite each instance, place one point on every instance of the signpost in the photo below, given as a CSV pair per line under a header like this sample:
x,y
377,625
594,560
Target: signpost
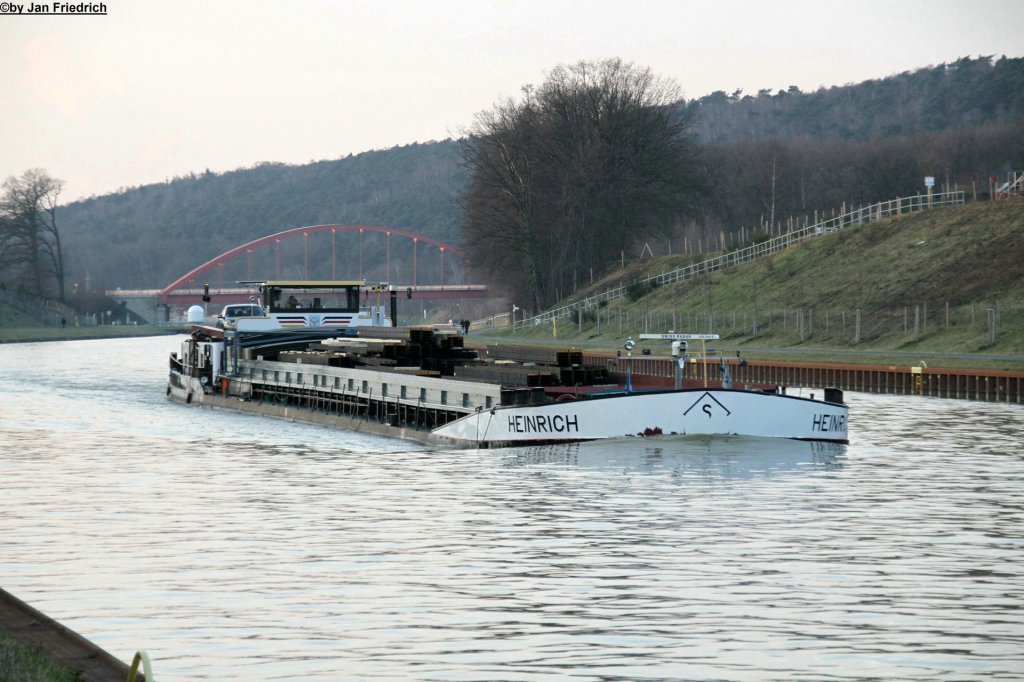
x,y
679,347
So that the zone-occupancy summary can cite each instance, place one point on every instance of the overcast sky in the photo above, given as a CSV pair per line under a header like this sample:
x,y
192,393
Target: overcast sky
x,y
159,88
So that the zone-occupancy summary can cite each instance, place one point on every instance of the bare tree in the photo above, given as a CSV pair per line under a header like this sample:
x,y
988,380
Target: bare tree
x,y
577,170
29,238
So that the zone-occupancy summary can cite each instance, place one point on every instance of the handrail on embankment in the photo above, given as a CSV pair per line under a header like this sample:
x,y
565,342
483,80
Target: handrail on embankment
x,y
858,216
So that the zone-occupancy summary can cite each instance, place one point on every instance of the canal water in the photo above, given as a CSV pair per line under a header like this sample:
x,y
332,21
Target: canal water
x,y
235,548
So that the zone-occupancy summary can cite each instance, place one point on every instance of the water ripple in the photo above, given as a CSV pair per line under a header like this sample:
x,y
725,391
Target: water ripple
x,y
234,548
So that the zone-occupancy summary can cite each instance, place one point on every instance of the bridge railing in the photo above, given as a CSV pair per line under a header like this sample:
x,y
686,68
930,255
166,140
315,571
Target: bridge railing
x,y
400,288
858,216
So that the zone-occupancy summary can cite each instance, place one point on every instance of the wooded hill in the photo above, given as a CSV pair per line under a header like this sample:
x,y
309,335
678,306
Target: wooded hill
x,y
146,237
767,156
963,94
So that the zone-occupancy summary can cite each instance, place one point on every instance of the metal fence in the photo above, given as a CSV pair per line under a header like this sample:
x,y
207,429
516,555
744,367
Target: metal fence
x,y
909,322
44,310
858,216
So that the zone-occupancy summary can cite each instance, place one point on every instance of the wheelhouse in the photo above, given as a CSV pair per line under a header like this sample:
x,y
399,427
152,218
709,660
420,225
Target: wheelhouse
x,y
312,296
326,304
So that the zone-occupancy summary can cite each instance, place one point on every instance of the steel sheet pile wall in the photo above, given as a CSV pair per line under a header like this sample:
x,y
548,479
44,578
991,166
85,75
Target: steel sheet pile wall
x,y
968,384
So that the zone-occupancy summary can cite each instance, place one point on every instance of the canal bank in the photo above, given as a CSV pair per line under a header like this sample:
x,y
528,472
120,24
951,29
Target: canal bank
x,y
86,333
657,371
56,644
966,384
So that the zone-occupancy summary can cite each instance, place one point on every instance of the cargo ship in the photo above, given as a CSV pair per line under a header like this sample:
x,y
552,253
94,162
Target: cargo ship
x,y
317,354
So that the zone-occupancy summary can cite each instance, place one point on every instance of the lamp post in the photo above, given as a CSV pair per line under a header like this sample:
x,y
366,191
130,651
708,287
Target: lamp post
x,y
629,345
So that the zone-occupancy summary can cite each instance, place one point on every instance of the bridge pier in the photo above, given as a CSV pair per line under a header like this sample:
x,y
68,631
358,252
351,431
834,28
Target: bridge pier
x,y
143,306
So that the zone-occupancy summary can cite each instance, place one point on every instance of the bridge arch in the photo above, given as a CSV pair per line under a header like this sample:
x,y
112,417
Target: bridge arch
x,y
276,238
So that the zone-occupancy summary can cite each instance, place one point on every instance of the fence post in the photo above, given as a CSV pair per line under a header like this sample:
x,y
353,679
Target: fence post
x,y
856,333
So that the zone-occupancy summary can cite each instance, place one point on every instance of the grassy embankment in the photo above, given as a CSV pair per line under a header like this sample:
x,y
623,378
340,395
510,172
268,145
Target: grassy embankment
x,y
34,332
22,663
926,285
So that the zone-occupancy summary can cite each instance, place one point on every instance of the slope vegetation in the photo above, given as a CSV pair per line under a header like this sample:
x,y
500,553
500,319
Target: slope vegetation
x,y
949,280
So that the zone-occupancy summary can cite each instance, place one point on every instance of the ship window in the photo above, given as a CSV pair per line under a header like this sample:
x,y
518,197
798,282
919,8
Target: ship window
x,y
444,397
465,400
365,387
423,395
298,377
287,377
384,390
337,382
333,298
403,392
488,402
277,375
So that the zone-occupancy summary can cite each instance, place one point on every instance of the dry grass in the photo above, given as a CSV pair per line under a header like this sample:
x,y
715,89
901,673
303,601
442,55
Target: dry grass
x,y
924,284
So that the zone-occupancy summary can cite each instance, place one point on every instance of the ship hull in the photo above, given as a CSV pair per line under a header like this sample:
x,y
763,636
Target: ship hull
x,y
725,412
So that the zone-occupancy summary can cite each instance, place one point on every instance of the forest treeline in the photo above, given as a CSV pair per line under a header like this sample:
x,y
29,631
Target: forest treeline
x,y
765,157
962,94
145,237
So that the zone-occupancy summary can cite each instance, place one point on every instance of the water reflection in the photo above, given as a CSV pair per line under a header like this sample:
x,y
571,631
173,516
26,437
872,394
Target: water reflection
x,y
235,548
727,457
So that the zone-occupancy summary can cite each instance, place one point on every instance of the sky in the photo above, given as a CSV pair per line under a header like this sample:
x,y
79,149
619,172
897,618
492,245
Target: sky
x,y
156,89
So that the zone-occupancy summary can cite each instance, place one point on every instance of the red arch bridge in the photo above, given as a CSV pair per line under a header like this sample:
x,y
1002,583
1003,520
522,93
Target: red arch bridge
x,y
417,266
